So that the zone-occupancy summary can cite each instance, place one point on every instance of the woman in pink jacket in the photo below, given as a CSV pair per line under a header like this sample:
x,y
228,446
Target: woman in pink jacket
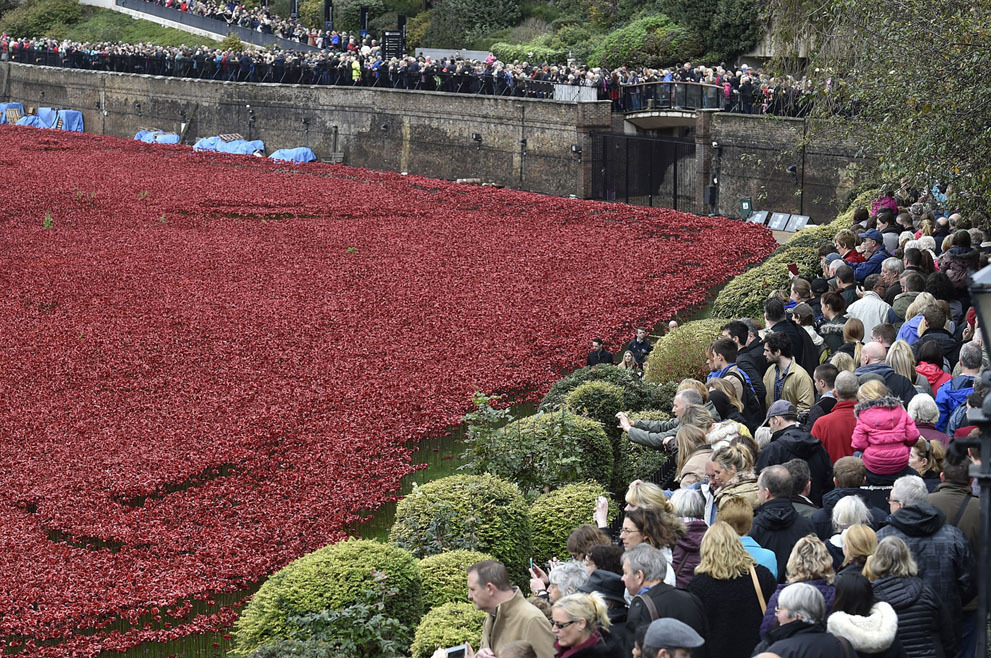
x,y
885,434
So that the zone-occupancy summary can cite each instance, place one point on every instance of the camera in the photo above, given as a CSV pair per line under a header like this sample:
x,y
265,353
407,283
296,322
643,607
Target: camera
x,y
455,652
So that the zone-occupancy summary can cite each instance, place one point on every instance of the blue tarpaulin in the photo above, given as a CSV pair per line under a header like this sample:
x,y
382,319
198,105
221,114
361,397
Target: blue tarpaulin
x,y
72,120
241,146
156,137
301,154
9,106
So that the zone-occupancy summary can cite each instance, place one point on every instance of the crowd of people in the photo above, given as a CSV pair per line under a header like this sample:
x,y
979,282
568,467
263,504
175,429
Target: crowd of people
x,y
352,60
822,505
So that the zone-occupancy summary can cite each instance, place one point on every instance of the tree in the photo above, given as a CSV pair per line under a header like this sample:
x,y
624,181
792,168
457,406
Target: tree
x,y
902,78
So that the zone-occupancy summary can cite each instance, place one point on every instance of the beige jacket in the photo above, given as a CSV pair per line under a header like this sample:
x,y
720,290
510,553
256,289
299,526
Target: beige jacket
x,y
518,619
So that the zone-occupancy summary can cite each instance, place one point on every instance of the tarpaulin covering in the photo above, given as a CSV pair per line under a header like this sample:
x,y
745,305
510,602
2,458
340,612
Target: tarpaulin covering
x,y
242,146
71,120
156,137
9,106
301,154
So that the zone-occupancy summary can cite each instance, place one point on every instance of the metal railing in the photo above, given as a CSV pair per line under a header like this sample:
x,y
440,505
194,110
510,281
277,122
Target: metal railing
x,y
219,27
648,96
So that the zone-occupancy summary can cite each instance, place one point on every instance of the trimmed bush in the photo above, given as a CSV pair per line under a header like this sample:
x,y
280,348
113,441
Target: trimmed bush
x,y
449,625
600,401
544,451
637,462
445,577
334,576
528,52
472,512
556,514
637,394
650,41
681,353
744,296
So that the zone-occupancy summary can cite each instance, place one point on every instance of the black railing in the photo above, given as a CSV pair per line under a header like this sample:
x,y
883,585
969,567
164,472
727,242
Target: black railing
x,y
649,96
218,27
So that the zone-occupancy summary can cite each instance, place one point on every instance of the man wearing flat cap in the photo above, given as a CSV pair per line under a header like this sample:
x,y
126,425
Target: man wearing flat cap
x,y
670,638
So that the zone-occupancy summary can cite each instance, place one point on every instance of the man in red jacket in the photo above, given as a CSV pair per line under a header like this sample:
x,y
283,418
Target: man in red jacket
x,y
835,429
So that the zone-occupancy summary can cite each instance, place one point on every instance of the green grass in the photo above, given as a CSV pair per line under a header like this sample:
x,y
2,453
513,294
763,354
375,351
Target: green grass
x,y
104,25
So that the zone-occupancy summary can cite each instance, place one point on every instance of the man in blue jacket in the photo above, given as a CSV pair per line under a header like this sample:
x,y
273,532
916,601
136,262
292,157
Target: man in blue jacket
x,y
874,253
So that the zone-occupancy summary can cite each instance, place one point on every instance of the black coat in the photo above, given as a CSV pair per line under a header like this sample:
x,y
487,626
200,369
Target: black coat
x,y
794,443
778,527
823,518
800,639
606,647
733,611
596,357
750,359
943,338
925,627
670,602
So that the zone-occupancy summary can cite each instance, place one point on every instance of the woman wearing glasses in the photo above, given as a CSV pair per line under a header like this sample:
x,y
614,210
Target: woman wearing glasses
x,y
580,622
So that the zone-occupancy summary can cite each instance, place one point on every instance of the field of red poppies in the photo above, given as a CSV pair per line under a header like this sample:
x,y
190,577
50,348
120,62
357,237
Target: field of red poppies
x,y
211,365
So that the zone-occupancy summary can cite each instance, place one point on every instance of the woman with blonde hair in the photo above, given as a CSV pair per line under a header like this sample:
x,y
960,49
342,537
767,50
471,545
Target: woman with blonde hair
x,y
733,474
853,338
725,583
693,453
902,361
843,361
859,542
925,626
845,242
640,495
873,389
630,363
809,562
580,623
909,331
927,457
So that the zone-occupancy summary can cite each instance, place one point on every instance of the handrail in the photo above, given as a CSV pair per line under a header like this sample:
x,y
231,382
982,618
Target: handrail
x,y
218,27
671,95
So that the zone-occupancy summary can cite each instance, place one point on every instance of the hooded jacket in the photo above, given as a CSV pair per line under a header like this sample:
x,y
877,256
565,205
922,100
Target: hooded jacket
x,y
823,518
885,434
778,527
827,590
925,627
873,634
946,563
791,443
685,554
943,338
952,395
800,639
935,375
899,385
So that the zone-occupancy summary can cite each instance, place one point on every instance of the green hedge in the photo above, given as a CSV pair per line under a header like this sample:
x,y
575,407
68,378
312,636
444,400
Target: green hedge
x,y
334,576
681,353
38,18
743,297
600,401
556,514
544,451
637,394
447,626
635,461
650,41
445,576
528,52
472,512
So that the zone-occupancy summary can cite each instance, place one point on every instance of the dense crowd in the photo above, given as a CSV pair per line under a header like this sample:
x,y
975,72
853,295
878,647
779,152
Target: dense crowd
x,y
822,504
353,61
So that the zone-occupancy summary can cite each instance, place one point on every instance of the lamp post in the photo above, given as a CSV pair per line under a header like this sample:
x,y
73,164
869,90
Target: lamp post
x,y
980,294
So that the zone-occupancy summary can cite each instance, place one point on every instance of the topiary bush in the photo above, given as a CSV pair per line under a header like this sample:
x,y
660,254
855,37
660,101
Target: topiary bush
x,y
472,512
445,576
447,626
334,576
744,295
544,451
650,41
600,401
635,461
637,394
681,353
556,514
529,52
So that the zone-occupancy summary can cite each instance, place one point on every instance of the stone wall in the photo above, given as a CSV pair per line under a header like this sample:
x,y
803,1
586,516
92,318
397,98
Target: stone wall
x,y
752,157
427,133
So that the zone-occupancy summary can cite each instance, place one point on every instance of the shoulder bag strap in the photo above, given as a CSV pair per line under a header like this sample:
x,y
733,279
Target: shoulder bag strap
x,y
845,645
760,594
651,608
962,510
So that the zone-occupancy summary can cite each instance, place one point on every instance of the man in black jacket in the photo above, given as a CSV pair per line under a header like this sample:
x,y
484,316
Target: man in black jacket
x,y
777,526
789,441
599,354
849,475
749,353
644,569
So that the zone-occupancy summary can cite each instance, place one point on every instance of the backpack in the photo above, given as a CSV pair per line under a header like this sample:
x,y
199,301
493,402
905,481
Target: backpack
x,y
753,408
957,389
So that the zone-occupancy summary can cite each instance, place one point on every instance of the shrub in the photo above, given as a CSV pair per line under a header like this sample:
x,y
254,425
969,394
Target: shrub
x,y
447,626
458,22
544,451
40,17
471,512
556,514
528,52
232,43
445,576
681,353
744,295
416,29
635,461
650,41
600,401
637,394
332,577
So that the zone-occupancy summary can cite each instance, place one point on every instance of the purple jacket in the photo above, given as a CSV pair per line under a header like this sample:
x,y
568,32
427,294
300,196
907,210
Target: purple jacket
x,y
827,590
685,554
